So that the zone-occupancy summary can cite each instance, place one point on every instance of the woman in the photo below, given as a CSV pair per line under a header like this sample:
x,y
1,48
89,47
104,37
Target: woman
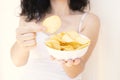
x,y
73,16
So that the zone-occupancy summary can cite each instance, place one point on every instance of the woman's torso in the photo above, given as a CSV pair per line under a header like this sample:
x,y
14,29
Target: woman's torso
x,y
39,64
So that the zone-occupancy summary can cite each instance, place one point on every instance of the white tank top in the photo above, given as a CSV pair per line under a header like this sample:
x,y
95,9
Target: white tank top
x,y
40,66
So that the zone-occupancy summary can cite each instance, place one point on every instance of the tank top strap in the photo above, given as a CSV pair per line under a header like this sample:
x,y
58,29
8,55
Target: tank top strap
x,y
81,27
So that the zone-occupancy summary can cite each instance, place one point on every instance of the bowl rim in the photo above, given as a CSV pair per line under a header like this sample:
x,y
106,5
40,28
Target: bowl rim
x,y
68,50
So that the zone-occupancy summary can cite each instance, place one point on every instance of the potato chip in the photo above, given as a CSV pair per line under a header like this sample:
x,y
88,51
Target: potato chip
x,y
67,38
53,44
82,40
76,37
52,24
57,37
83,46
75,45
67,48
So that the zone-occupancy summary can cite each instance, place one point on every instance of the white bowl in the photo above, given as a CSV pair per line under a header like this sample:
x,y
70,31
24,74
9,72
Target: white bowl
x,y
65,55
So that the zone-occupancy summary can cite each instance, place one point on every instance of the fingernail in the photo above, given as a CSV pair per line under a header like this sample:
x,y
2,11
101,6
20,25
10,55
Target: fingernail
x,y
68,65
77,61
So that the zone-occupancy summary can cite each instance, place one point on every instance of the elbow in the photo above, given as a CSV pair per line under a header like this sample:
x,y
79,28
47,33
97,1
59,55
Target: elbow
x,y
18,63
17,60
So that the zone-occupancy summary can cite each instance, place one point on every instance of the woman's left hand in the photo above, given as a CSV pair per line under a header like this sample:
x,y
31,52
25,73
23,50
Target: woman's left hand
x,y
69,62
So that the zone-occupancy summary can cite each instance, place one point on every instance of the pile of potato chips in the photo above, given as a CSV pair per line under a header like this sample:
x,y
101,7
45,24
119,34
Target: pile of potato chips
x,y
67,41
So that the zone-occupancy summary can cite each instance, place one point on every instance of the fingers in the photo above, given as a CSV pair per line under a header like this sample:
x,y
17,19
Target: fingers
x,y
26,40
30,29
37,28
25,37
26,34
69,62
29,43
77,61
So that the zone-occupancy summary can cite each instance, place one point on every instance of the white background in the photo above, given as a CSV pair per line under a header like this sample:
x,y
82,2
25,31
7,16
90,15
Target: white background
x,y
104,62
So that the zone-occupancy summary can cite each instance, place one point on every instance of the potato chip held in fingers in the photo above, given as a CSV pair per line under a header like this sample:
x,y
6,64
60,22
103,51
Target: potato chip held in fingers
x,y
52,23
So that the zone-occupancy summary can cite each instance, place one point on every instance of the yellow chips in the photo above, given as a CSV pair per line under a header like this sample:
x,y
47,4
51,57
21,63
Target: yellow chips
x,y
67,41
52,24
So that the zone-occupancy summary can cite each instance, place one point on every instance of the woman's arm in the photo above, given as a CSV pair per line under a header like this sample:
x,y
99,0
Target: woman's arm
x,y
19,54
25,40
92,25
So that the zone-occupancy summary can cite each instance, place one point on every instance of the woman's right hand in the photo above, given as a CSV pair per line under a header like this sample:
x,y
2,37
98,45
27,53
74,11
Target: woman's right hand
x,y
26,35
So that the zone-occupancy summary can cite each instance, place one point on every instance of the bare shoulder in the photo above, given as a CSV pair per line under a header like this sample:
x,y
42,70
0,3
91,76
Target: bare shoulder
x,y
93,16
92,26
93,19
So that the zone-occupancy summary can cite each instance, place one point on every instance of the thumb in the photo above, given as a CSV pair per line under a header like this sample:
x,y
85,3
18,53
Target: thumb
x,y
37,28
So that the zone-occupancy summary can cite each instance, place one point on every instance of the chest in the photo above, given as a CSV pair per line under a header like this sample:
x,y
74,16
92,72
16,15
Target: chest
x,y
70,23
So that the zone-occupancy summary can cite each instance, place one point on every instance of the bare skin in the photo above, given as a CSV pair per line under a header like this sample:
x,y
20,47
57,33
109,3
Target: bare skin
x,y
26,34
91,30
